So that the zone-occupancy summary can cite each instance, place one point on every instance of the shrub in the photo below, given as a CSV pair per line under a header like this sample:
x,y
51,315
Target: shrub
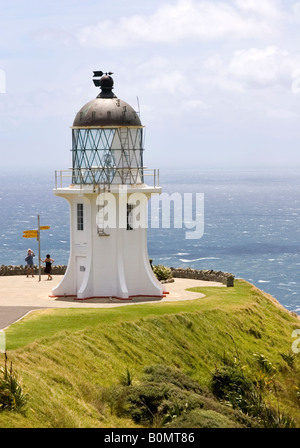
x,y
289,358
230,384
264,377
162,395
164,374
202,418
126,378
229,381
162,273
160,402
265,365
11,394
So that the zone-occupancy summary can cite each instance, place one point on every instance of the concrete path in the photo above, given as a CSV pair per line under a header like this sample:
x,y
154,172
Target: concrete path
x,y
20,295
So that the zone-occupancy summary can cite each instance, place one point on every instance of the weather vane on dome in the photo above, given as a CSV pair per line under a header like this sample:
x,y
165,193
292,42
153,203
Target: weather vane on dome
x,y
98,74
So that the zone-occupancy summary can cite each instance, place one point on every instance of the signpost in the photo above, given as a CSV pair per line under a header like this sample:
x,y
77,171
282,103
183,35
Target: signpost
x,y
36,234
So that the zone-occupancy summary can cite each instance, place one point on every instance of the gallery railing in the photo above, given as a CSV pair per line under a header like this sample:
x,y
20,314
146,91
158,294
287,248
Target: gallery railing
x,y
106,176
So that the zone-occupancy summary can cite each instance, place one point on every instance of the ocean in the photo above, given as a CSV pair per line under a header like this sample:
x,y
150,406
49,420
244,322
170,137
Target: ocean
x,y
251,225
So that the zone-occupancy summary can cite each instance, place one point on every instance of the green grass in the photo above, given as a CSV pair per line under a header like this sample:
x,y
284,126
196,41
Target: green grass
x,y
45,323
71,362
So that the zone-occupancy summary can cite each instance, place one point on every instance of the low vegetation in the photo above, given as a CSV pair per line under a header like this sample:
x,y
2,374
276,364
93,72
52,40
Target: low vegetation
x,y
11,394
221,361
163,273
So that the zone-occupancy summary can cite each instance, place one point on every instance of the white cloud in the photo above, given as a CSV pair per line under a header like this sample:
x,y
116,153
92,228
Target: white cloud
x,y
282,114
170,82
250,69
266,8
296,9
194,106
186,20
196,66
263,66
295,16
152,65
213,63
295,87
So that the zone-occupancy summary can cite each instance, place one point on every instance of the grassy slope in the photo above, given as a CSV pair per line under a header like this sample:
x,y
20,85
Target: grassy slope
x,y
67,360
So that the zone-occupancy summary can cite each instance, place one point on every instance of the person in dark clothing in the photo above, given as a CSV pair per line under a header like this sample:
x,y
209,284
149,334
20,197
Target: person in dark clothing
x,y
48,267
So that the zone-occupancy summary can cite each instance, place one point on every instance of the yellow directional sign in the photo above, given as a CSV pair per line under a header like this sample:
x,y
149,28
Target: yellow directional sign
x,y
30,234
33,233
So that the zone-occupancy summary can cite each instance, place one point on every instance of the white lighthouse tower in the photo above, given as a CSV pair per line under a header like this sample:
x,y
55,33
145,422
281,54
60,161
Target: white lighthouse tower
x,y
108,197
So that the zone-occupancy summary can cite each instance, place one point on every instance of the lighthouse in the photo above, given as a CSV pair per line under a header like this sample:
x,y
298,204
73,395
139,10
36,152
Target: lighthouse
x,y
108,189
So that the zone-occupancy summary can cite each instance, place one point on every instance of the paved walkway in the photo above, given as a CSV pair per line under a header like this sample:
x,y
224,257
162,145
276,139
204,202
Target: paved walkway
x,y
19,295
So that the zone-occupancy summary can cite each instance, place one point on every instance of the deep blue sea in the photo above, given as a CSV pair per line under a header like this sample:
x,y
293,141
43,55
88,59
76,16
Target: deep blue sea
x,y
251,225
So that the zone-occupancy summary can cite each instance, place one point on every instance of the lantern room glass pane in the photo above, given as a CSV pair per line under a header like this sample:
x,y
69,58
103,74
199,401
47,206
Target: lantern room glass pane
x,y
107,155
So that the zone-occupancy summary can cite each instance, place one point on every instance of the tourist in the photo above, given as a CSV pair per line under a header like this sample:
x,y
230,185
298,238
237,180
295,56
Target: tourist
x,y
48,267
29,261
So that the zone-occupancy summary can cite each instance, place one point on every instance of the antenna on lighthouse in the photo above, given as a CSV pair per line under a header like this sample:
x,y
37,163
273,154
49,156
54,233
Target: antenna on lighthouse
x,y
138,104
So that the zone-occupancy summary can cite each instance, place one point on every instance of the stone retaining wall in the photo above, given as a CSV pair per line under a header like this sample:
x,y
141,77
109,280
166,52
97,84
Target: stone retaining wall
x,y
211,276
21,270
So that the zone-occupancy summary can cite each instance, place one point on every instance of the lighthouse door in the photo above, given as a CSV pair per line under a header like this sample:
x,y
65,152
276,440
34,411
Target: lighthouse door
x,y
80,271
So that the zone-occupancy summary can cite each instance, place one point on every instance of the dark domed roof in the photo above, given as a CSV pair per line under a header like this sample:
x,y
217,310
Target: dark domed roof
x,y
106,109
106,112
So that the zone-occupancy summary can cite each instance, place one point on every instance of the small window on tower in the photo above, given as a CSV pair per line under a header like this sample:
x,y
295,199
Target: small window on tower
x,y
130,207
79,216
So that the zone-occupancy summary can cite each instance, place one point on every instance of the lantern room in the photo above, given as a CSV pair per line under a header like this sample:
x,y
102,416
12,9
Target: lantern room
x,y
107,140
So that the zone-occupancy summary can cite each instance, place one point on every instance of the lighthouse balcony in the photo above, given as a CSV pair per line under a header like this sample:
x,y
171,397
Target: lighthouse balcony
x,y
106,177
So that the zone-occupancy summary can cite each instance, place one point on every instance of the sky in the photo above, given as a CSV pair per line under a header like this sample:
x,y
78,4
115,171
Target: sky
x,y
217,83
